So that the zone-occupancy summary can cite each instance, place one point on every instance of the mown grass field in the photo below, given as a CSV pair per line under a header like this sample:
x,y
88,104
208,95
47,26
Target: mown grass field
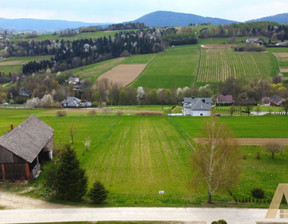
x,y
136,156
173,68
218,64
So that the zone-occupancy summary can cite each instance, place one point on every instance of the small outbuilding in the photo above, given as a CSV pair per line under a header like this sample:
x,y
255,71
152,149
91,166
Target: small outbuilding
x,y
23,148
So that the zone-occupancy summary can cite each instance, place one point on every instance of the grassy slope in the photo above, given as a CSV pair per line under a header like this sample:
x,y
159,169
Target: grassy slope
x,y
20,62
135,157
171,69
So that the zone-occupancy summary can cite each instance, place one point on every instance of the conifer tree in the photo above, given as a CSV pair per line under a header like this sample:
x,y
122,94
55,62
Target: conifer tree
x,y
98,193
71,181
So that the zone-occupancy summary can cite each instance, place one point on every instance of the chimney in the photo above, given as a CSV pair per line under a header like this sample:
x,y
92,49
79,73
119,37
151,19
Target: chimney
x,y
12,127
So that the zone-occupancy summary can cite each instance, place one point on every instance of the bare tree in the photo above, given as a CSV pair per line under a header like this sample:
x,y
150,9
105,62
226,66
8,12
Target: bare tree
x,y
285,106
87,144
273,148
215,159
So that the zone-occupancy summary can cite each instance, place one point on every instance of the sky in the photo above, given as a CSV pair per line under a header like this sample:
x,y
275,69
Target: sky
x,y
116,11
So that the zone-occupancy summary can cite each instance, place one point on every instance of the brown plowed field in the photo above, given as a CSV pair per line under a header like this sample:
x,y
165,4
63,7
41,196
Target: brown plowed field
x,y
254,141
284,70
281,55
123,74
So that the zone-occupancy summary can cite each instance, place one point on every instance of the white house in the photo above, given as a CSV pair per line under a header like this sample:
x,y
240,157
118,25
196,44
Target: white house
x,y
197,106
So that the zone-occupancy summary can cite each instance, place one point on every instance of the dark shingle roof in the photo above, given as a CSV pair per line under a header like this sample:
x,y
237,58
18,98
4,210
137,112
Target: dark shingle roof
x,y
277,100
27,139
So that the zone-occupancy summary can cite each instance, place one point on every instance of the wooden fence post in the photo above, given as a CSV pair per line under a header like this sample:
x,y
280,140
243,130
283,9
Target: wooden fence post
x,y
27,171
3,171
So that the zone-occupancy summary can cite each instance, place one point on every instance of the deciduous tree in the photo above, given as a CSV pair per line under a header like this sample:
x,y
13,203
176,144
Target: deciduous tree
x,y
215,159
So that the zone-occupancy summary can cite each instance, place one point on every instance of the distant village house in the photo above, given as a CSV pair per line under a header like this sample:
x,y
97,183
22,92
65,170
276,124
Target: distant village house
x,y
75,102
23,148
224,100
273,101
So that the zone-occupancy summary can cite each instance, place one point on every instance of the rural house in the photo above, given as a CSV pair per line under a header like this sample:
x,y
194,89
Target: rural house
x,y
75,102
73,80
71,102
224,100
23,148
197,106
273,101
254,41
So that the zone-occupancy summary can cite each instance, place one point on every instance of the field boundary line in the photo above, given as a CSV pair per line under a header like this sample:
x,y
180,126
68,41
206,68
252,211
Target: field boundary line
x,y
150,62
253,141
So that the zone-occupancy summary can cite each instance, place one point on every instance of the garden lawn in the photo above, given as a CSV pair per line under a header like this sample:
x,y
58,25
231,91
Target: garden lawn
x,y
173,68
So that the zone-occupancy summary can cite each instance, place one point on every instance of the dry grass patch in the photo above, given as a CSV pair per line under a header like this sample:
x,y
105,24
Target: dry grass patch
x,y
123,74
11,63
254,141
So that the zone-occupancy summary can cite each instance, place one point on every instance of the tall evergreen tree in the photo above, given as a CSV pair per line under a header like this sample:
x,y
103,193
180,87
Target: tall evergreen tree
x,y
71,181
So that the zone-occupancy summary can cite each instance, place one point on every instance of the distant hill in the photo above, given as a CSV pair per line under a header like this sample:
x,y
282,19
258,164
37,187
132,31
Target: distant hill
x,y
279,18
165,18
41,25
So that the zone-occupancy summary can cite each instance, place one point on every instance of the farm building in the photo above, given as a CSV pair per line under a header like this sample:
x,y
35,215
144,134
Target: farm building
x,y
224,100
273,101
23,148
197,106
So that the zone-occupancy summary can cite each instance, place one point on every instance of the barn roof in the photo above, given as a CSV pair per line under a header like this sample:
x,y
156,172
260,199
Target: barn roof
x,y
27,139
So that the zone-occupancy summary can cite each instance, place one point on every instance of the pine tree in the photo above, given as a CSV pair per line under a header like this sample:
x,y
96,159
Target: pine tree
x,y
98,193
71,181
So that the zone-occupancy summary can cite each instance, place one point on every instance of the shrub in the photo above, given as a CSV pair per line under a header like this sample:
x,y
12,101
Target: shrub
x,y
258,155
92,113
119,113
221,221
98,193
244,157
258,193
61,113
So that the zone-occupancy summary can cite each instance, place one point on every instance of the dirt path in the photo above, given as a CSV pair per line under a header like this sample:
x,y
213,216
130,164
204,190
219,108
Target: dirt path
x,y
255,141
14,201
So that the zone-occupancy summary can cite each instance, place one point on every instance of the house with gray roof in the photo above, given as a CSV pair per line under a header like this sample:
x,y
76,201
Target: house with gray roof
x,y
71,102
23,148
273,100
193,106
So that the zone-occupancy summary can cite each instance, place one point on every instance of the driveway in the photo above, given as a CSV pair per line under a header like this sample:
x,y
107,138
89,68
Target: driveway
x,y
19,209
202,215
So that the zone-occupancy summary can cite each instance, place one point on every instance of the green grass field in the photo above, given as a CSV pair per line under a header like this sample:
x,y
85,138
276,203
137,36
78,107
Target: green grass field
x,y
173,68
18,63
218,64
135,156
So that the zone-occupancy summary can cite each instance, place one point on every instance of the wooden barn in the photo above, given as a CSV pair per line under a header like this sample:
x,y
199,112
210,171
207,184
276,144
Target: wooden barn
x,y
23,148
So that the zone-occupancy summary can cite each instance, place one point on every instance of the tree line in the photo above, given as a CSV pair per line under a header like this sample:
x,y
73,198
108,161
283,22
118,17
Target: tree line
x,y
82,52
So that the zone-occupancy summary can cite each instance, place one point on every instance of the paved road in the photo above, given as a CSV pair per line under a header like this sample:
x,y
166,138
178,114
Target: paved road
x,y
203,215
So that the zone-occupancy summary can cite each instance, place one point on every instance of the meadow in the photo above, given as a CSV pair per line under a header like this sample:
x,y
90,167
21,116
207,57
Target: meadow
x,y
14,64
176,67
136,156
